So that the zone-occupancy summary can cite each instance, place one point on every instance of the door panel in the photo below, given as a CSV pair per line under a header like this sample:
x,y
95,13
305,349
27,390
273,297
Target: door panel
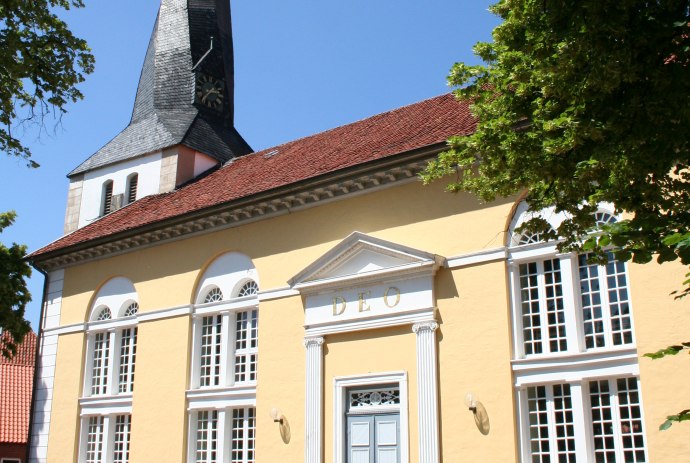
x,y
373,438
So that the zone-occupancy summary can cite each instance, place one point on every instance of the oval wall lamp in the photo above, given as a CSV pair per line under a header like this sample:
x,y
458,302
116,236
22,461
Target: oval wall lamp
x,y
283,425
481,417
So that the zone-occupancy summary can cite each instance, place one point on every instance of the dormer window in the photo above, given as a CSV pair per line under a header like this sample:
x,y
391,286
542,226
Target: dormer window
x,y
132,183
107,197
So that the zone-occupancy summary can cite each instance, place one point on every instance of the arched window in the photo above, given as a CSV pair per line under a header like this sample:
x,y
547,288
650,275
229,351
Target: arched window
x,y
132,183
104,314
249,288
110,366
214,295
565,305
224,356
603,218
107,204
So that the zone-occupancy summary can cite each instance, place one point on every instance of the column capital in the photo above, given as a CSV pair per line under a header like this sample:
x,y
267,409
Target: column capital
x,y
313,341
425,326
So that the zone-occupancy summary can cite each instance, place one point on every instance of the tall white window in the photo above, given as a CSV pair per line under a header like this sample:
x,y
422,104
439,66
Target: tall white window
x,y
225,435
109,374
224,363
112,352
106,438
246,343
226,350
575,362
607,414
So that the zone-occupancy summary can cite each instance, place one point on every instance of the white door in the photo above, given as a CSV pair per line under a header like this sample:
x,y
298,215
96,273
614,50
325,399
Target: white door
x,y
373,438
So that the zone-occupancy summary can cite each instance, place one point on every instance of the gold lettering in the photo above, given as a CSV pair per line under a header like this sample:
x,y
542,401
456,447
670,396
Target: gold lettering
x,y
397,297
338,305
363,305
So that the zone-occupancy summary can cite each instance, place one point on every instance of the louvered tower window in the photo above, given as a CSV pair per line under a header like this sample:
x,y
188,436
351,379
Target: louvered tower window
x,y
107,197
132,184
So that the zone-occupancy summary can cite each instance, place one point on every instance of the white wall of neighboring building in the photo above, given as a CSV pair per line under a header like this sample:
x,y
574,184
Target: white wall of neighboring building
x,y
147,167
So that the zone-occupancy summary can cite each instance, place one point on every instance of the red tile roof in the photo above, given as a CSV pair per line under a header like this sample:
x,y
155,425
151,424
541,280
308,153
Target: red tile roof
x,y
16,383
398,131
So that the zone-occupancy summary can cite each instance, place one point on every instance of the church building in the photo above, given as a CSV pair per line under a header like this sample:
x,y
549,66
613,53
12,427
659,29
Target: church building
x,y
314,302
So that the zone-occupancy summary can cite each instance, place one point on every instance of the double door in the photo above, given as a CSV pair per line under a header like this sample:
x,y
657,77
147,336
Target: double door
x,y
373,438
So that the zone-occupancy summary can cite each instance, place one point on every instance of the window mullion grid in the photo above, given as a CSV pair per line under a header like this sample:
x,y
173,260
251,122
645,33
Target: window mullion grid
x,y
616,271
127,359
120,447
615,414
100,364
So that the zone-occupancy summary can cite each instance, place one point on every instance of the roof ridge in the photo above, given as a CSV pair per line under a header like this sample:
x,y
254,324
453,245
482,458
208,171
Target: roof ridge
x,y
296,140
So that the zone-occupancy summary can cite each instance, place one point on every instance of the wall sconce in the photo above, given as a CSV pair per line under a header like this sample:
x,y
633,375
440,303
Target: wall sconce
x,y
471,402
276,415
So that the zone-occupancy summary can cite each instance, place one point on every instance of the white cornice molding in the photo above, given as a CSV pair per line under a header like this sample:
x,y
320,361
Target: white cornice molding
x,y
478,257
365,180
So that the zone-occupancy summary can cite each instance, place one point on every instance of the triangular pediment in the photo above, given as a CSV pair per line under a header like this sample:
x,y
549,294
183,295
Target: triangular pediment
x,y
360,256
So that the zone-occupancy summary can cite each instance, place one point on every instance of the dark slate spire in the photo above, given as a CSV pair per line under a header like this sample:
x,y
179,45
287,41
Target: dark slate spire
x,y
176,104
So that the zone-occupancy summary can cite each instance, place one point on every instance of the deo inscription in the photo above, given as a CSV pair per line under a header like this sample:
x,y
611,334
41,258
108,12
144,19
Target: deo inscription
x,y
391,298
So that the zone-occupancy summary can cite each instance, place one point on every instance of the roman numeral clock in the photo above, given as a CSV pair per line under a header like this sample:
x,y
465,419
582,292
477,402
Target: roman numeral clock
x,y
209,91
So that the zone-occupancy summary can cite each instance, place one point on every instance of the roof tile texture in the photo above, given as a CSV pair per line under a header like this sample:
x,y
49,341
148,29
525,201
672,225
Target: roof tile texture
x,y
16,383
422,124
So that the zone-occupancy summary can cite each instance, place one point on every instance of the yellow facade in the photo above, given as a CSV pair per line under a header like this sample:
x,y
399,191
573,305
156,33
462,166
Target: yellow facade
x,y
474,340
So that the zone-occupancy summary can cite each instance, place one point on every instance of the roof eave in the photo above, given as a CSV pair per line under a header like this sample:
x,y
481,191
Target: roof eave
x,y
42,261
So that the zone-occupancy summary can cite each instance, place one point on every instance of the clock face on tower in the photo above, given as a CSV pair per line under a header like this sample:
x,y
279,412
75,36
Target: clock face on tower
x,y
209,91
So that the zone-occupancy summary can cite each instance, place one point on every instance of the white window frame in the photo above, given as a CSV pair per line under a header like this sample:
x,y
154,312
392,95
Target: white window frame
x,y
114,330
227,310
572,300
223,430
577,365
109,417
341,386
582,416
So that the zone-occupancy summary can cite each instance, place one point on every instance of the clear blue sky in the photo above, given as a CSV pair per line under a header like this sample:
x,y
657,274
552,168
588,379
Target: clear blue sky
x,y
301,67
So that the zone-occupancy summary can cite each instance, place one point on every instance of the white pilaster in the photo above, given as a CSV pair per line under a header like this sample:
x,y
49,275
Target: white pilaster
x,y
43,400
313,411
427,391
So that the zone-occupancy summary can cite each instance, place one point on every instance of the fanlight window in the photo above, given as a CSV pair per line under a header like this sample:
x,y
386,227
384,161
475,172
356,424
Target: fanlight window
x,y
104,314
132,310
214,295
248,289
531,238
603,218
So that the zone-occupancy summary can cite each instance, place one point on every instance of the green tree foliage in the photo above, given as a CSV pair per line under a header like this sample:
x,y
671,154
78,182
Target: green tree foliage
x,y
41,62
580,103
14,295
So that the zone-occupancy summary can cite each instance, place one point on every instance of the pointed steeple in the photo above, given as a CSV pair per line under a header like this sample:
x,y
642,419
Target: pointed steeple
x,y
186,89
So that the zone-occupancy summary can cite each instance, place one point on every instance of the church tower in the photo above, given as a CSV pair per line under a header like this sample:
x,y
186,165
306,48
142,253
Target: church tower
x,y
182,123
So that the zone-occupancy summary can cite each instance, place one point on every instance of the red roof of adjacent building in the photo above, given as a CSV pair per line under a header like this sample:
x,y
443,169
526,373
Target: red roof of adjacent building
x,y
16,383
398,131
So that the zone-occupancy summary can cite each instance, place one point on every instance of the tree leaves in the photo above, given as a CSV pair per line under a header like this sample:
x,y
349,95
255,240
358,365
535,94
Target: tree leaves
x,y
682,416
42,63
577,104
14,295
580,103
